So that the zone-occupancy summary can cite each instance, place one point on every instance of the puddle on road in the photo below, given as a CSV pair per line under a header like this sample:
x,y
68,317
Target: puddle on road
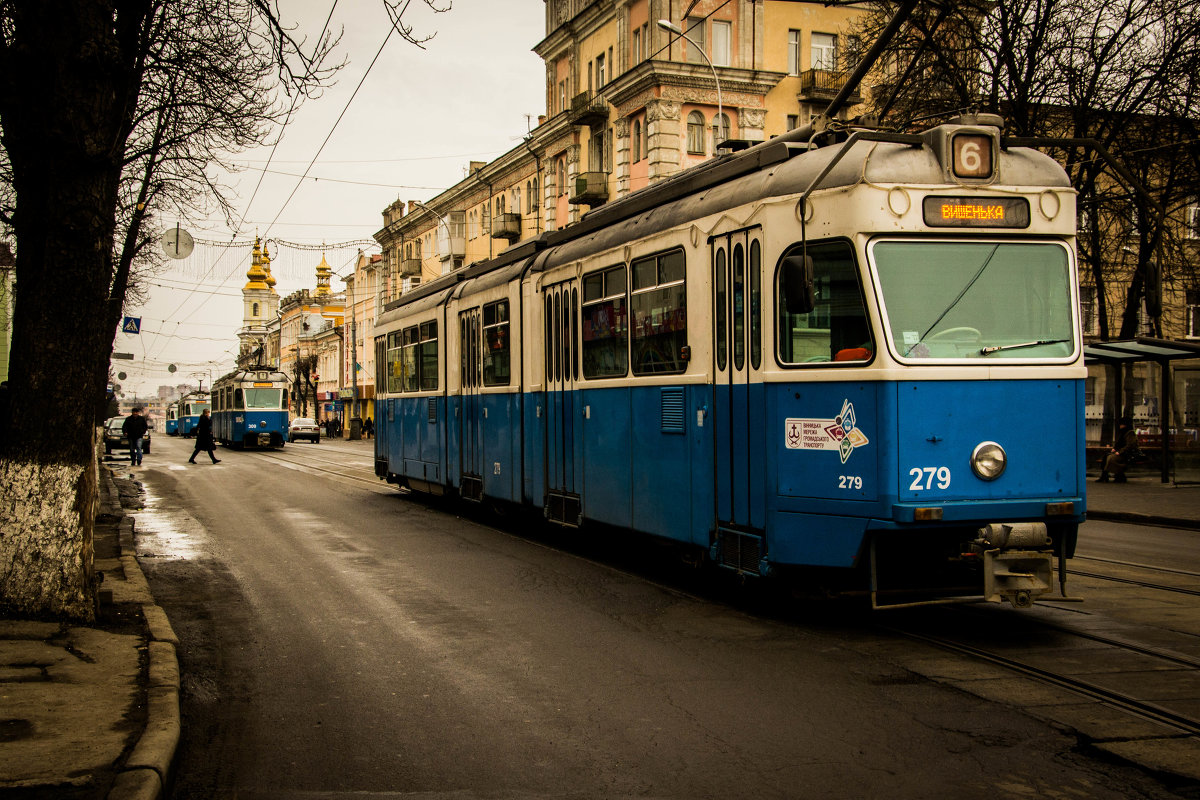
x,y
166,532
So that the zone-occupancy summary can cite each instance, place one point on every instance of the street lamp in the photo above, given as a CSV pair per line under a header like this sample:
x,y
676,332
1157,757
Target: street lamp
x,y
667,25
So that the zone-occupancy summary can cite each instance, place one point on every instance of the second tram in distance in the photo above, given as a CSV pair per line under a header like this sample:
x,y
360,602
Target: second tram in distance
x,y
854,362
250,408
190,406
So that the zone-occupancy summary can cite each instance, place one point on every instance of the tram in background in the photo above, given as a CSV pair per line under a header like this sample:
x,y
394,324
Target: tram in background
x,y
172,421
250,408
851,361
190,407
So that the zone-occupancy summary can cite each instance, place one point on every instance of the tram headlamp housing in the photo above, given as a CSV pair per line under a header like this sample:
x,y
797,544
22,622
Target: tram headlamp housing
x,y
988,461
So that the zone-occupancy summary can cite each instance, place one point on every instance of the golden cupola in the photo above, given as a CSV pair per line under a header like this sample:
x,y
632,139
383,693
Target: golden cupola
x,y
257,276
324,275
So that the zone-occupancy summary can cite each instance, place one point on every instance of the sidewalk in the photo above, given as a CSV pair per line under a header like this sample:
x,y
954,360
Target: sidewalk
x,y
93,712
1145,499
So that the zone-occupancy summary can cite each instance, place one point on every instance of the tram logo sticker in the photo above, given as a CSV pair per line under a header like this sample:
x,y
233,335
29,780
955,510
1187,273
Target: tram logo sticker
x,y
840,434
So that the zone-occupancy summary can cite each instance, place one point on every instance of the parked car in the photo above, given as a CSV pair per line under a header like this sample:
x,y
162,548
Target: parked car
x,y
304,428
114,437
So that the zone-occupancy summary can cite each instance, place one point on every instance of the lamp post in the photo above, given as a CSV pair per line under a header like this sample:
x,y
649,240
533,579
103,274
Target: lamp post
x,y
667,25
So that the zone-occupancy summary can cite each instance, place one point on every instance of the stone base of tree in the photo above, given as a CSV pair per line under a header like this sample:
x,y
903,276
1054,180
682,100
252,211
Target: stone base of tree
x,y
47,518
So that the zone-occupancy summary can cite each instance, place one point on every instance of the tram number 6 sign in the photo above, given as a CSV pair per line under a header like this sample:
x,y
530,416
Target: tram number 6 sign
x,y
972,155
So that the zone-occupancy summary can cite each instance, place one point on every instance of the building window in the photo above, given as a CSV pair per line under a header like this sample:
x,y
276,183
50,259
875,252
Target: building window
x,y
1193,313
1193,219
793,121
562,176
722,38
695,133
1089,319
254,313
695,32
600,73
854,51
562,95
637,45
824,51
637,142
793,52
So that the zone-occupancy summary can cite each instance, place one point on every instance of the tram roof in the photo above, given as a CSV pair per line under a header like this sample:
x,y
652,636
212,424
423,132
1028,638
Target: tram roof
x,y
1142,348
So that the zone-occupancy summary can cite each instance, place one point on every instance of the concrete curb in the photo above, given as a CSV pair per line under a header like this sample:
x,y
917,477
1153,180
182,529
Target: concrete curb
x,y
145,773
1144,519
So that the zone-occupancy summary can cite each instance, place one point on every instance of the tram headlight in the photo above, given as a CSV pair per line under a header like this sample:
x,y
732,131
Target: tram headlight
x,y
988,461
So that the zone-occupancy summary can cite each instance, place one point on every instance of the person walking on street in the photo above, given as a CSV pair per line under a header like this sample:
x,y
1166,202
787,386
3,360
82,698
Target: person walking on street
x,y
134,427
1121,453
204,438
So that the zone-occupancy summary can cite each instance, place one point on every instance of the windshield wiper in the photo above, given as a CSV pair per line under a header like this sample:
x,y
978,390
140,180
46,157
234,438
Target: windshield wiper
x,y
989,350
954,302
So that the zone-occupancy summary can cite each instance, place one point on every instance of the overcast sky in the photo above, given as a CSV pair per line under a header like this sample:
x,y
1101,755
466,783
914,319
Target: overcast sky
x,y
420,116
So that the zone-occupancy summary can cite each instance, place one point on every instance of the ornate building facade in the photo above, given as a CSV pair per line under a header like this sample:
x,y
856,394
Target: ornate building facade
x,y
629,101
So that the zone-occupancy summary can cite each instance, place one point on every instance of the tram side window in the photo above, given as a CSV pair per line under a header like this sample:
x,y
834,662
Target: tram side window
x,y
659,306
837,328
411,362
429,356
496,348
605,324
395,363
238,403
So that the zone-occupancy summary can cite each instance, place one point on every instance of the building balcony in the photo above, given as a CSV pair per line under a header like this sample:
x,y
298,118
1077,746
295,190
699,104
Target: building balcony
x,y
410,267
591,189
588,110
506,226
818,85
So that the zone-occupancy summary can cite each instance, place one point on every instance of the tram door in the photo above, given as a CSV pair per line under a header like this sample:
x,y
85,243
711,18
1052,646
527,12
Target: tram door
x,y
471,414
738,401
562,467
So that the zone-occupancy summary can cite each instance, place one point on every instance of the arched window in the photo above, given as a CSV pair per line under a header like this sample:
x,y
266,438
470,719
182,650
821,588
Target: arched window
x,y
720,129
637,140
254,313
562,176
695,133
534,200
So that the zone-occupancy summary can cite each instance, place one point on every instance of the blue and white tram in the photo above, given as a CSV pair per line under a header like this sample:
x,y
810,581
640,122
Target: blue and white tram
x,y
190,407
172,423
251,408
858,365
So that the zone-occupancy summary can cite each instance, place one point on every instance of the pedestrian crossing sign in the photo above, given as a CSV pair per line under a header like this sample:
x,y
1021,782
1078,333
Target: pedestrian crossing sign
x,y
131,325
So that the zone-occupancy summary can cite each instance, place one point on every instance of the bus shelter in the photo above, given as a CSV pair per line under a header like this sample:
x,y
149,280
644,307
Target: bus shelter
x,y
1158,351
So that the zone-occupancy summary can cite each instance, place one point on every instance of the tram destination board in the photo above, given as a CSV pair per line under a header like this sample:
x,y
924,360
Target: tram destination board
x,y
976,212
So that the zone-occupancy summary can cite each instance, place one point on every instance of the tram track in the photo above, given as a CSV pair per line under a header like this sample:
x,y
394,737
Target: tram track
x,y
1135,581
321,464
1115,698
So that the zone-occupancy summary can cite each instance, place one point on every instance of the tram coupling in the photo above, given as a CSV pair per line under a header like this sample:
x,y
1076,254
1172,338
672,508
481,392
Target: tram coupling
x,y
1017,561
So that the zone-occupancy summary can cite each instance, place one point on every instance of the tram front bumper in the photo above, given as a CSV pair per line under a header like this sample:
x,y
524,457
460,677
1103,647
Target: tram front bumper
x,y
1012,569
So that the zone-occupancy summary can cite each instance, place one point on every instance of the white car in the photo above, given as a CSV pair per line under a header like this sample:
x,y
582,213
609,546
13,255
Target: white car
x,y
304,428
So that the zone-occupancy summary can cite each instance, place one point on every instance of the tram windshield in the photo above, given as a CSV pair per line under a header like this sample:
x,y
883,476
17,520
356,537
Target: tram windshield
x,y
976,299
263,398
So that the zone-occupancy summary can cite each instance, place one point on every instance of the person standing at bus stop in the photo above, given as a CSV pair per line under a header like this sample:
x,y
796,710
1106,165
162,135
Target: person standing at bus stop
x,y
134,427
204,438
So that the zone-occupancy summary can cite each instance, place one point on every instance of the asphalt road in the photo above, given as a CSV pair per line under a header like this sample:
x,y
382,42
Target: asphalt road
x,y
341,640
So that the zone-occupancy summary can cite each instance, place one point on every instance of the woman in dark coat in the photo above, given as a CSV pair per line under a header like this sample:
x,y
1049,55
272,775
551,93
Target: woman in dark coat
x,y
204,438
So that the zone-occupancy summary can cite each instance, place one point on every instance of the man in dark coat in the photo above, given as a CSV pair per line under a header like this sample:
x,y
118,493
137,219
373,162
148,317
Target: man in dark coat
x,y
134,427
204,438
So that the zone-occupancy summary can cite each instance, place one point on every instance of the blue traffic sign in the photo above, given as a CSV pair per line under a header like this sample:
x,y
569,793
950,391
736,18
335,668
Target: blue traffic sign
x,y
131,325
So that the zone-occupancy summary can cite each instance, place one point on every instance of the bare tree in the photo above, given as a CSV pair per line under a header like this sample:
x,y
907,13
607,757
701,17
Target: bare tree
x,y
111,112
1122,74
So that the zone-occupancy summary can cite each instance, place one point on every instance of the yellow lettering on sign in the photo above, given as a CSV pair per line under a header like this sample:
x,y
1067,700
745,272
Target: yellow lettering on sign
x,y
972,212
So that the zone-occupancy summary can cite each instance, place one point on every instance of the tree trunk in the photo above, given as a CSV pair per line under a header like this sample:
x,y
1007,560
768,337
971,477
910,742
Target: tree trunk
x,y
64,93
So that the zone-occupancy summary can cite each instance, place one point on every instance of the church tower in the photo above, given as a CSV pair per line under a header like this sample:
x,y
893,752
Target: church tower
x,y
260,305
